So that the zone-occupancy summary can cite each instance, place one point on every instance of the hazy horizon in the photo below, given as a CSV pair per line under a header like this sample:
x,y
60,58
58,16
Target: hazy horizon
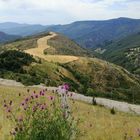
x,y
47,12
66,23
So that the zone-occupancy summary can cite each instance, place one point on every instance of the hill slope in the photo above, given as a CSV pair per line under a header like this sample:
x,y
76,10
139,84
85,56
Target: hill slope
x,y
97,33
89,76
125,52
64,46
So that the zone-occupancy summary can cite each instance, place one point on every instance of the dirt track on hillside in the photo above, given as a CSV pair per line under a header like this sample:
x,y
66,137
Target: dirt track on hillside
x,y
42,45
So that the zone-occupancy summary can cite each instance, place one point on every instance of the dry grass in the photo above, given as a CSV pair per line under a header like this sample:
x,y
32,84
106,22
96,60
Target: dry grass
x,y
42,45
96,123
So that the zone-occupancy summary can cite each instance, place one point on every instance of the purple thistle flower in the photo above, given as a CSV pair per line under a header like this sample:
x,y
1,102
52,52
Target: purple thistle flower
x,y
26,100
23,104
8,110
42,107
51,98
36,96
32,96
5,105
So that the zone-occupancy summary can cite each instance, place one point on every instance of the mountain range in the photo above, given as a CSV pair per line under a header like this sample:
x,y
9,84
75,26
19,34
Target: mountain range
x,y
89,34
6,37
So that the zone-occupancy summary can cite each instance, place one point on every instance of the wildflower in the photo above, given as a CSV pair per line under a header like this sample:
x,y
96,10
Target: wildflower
x,y
42,107
28,90
5,105
26,100
23,104
51,98
8,110
66,86
40,93
10,103
36,96
32,96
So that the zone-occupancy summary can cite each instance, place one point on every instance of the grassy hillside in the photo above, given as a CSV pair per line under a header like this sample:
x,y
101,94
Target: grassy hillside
x,y
101,78
89,76
63,46
95,122
125,52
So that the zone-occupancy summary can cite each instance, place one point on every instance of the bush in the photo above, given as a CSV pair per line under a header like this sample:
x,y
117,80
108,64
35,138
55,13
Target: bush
x,y
94,101
13,60
112,111
41,120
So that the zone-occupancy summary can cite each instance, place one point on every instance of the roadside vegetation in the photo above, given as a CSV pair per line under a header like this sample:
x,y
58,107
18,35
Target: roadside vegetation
x,y
94,122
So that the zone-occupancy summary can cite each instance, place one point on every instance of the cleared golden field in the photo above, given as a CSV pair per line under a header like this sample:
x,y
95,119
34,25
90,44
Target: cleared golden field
x,y
95,122
42,45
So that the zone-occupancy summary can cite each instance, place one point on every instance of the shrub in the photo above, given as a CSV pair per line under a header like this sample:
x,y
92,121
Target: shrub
x,y
13,60
43,119
112,111
94,101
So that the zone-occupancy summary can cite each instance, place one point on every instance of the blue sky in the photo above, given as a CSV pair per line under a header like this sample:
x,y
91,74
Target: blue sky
x,y
66,11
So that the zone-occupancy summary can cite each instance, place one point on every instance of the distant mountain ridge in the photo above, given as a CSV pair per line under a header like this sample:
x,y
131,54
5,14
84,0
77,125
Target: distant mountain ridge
x,y
92,34
89,34
21,29
6,37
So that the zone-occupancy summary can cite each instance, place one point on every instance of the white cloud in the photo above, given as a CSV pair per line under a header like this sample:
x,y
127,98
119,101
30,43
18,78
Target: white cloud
x,y
64,11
